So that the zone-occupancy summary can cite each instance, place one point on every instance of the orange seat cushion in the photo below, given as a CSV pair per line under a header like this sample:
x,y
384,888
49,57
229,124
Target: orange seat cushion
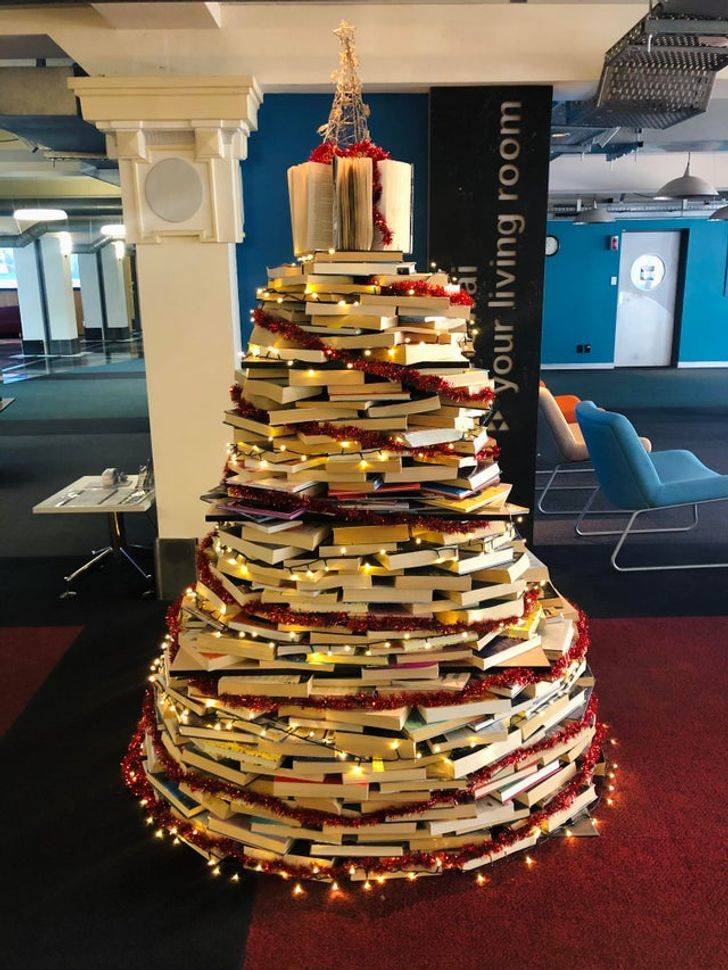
x,y
567,403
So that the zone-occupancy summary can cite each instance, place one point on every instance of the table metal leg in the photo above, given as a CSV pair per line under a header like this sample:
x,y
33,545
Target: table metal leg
x,y
118,546
94,561
117,530
127,557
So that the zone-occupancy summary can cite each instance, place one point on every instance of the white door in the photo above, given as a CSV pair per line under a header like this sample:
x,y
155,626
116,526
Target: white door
x,y
648,273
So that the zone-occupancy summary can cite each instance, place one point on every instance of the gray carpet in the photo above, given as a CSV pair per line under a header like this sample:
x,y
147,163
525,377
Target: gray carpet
x,y
645,387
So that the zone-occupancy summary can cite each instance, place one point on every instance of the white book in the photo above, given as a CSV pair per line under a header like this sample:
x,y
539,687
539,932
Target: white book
x,y
395,204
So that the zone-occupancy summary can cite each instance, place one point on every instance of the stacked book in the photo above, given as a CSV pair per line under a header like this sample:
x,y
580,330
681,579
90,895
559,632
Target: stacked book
x,y
373,677
363,390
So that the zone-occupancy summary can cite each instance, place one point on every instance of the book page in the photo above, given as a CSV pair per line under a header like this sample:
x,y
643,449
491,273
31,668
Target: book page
x,y
353,222
319,207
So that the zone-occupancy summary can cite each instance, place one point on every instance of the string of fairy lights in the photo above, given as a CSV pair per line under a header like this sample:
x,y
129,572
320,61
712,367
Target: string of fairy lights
x,y
177,831
224,858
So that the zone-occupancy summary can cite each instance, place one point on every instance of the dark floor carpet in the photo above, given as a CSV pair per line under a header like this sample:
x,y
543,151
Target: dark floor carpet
x,y
647,894
91,887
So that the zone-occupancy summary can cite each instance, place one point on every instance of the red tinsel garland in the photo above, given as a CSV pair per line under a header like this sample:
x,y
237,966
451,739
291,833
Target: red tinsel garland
x,y
135,780
325,153
362,440
314,816
408,376
355,624
268,499
424,288
475,690
284,616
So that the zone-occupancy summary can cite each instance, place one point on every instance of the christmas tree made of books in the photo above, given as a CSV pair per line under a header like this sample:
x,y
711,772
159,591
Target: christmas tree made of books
x,y
372,678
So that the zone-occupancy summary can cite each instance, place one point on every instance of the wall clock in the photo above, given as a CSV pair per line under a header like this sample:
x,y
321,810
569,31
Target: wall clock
x,y
552,245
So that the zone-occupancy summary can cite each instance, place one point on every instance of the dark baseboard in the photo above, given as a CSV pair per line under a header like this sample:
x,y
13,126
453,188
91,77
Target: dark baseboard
x,y
117,335
174,562
66,348
112,335
32,347
63,348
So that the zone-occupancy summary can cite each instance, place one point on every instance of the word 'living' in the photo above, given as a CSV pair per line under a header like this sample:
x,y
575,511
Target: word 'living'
x,y
509,226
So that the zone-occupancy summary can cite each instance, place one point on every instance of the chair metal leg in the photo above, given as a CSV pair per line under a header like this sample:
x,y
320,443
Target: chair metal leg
x,y
658,568
587,510
549,486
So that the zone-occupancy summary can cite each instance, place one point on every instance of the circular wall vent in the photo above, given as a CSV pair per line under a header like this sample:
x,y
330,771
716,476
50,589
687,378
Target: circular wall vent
x,y
173,190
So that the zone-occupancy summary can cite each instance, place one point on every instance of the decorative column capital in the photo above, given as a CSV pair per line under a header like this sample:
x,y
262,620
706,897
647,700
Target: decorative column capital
x,y
178,141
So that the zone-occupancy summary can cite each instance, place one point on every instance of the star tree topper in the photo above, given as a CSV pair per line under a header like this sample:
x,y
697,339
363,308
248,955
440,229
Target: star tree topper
x,y
347,124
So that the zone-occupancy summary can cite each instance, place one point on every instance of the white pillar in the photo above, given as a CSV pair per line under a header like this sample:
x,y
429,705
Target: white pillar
x,y
103,294
30,300
179,141
112,273
93,310
45,297
189,311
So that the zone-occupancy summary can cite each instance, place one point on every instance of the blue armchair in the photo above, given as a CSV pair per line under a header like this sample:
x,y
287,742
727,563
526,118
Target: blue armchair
x,y
637,482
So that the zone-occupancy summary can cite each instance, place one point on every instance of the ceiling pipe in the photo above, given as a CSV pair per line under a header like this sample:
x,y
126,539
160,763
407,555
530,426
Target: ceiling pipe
x,y
74,206
94,246
20,240
567,212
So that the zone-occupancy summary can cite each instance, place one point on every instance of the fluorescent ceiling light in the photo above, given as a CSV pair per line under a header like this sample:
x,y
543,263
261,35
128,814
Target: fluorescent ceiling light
x,y
114,230
687,186
39,215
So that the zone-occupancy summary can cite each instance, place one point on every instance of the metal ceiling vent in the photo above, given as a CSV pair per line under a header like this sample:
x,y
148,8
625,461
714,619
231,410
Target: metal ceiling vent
x,y
663,70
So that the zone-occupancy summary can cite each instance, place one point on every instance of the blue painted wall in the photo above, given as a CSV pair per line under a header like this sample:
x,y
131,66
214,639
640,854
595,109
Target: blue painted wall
x,y
580,304
286,135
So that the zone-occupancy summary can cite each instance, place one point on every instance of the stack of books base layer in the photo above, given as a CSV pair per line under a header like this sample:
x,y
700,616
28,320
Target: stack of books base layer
x,y
382,698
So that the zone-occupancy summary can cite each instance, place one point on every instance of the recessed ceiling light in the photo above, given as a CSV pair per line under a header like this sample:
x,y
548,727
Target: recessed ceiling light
x,y
114,230
39,215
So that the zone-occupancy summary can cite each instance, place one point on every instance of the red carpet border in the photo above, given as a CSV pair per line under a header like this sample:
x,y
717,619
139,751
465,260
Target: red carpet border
x,y
28,654
647,894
